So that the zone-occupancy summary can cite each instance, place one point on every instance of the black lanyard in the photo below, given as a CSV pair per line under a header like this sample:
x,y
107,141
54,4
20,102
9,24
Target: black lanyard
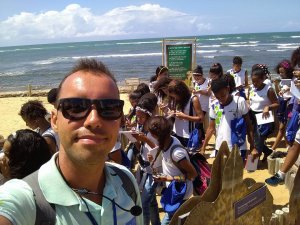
x,y
92,219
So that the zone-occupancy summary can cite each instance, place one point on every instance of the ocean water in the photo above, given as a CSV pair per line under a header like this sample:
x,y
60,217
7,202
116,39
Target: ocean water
x,y
43,66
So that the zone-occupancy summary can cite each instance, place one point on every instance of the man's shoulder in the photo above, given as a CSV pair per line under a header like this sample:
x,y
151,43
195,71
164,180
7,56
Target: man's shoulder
x,y
15,185
16,189
17,202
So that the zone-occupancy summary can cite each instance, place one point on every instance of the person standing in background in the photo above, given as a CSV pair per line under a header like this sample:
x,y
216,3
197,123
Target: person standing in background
x,y
240,75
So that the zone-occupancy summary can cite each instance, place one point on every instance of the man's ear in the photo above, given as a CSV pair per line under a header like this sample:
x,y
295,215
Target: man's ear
x,y
54,119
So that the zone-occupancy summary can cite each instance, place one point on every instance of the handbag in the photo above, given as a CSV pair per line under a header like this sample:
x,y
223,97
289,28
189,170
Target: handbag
x,y
194,140
238,129
172,196
265,129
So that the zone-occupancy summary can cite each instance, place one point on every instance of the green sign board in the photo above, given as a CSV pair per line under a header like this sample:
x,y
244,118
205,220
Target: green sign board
x,y
179,60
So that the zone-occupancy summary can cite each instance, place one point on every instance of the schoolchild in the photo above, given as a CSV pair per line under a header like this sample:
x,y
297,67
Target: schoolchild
x,y
147,147
175,166
33,113
263,99
285,71
215,72
239,74
160,72
180,100
292,137
25,151
160,89
134,98
200,88
223,110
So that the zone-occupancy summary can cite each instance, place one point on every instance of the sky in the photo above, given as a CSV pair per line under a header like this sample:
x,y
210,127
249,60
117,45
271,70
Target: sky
x,y
24,22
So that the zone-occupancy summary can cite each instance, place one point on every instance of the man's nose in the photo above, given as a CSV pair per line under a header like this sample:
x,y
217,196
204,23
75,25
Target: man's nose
x,y
93,119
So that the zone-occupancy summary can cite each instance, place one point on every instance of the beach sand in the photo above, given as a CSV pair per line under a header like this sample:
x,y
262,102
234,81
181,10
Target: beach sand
x,y
11,121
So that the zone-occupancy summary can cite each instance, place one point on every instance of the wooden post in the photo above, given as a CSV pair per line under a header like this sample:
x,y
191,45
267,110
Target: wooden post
x,y
278,164
29,90
195,53
279,213
163,53
285,211
271,165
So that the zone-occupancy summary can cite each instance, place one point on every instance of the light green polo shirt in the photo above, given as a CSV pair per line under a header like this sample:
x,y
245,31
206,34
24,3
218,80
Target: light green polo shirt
x,y
17,202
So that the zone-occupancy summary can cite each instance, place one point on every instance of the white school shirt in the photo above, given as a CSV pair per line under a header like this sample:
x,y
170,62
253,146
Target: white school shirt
x,y
259,99
203,99
181,127
287,94
145,149
239,77
169,168
223,117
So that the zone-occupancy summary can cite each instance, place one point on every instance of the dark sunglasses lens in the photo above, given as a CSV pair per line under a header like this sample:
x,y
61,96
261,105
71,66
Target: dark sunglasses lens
x,y
110,109
75,108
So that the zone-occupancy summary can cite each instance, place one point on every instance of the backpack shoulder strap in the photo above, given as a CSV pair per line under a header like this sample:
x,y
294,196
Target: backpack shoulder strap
x,y
45,211
191,124
127,183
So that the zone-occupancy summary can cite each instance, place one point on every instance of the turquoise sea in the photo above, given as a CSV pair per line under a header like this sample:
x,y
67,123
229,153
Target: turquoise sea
x,y
43,66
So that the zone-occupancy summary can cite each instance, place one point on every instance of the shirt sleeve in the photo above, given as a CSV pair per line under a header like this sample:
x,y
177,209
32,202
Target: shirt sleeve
x,y
212,113
242,105
17,202
179,154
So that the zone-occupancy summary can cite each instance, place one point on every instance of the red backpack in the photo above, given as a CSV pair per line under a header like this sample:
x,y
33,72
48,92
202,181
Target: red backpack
x,y
200,164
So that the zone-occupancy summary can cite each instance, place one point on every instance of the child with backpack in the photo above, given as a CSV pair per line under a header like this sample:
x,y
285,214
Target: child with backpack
x,y
147,146
176,163
229,116
284,111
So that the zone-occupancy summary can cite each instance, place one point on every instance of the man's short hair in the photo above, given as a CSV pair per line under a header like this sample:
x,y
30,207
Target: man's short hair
x,y
88,65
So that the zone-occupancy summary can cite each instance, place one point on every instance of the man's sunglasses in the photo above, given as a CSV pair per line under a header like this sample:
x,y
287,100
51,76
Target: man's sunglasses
x,y
79,108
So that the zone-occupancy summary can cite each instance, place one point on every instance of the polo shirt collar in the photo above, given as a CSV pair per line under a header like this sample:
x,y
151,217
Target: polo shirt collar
x,y
52,185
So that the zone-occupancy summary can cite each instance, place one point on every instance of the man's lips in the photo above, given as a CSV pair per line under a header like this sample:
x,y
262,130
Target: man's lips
x,y
90,139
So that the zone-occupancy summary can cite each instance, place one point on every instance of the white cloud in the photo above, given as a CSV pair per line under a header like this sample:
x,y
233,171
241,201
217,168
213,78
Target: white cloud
x,y
76,23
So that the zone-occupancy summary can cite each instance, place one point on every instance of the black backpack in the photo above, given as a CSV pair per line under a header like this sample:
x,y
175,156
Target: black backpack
x,y
45,211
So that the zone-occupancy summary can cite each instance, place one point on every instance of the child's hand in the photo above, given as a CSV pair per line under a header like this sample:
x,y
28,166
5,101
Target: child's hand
x,y
180,115
296,73
254,154
266,113
297,83
150,157
162,177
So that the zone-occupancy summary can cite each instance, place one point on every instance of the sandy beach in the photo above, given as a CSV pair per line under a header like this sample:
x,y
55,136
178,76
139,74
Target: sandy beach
x,y
11,121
